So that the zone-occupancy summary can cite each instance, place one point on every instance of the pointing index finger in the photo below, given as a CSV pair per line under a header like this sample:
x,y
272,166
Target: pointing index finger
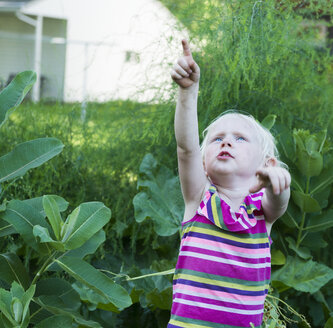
x,y
186,48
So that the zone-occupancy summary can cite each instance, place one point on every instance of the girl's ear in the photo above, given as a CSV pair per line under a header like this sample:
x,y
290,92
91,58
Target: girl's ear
x,y
271,161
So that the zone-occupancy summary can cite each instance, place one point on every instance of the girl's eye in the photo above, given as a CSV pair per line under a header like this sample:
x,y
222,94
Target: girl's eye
x,y
218,139
239,138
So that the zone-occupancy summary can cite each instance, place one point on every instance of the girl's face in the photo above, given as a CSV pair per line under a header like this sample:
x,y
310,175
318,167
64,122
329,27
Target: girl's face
x,y
232,148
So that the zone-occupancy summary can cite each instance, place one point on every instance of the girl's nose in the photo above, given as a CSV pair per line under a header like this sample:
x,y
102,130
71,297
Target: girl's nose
x,y
226,143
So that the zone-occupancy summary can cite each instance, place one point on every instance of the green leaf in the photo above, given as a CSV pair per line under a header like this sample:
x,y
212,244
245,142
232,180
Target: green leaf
x,y
12,269
56,306
84,222
322,181
269,121
314,240
286,141
302,252
89,247
160,197
43,236
53,214
320,222
277,257
5,311
28,155
98,301
97,281
6,228
305,202
14,93
24,217
309,165
38,203
329,323
305,276
56,321
61,288
17,309
160,299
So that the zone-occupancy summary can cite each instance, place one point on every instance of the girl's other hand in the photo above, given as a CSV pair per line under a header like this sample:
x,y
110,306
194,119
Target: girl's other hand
x,y
276,178
186,71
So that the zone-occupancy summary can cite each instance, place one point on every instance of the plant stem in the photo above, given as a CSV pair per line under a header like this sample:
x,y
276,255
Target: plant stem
x,y
300,231
171,271
43,267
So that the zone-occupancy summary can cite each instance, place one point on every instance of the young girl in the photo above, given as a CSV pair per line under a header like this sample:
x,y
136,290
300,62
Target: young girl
x,y
234,189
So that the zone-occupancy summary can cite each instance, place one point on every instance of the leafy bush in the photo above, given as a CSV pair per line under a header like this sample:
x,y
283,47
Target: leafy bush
x,y
48,242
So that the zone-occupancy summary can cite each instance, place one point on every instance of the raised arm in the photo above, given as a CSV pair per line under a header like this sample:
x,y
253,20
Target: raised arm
x,y
186,74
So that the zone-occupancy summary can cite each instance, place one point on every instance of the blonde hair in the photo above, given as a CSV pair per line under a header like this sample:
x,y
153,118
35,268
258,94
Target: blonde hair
x,y
266,140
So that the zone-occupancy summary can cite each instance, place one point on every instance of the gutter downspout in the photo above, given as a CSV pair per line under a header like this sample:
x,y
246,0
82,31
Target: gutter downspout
x,y
38,24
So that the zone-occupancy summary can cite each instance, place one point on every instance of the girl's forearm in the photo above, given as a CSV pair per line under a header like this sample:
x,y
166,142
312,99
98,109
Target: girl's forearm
x,y
186,121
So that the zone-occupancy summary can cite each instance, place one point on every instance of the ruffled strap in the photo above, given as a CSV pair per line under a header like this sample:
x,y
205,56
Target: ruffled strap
x,y
219,212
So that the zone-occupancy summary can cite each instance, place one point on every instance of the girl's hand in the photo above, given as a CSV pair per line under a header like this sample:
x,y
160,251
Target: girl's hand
x,y
277,179
186,71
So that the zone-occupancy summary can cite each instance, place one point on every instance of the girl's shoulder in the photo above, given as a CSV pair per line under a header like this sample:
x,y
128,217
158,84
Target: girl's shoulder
x,y
191,207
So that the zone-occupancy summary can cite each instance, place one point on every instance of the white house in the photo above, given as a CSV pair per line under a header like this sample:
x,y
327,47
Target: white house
x,y
90,50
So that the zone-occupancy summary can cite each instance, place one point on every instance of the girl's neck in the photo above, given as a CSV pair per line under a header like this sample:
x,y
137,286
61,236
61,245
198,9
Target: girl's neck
x,y
234,194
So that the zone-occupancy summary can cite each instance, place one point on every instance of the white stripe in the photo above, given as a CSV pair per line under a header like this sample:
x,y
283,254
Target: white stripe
x,y
218,307
227,251
238,220
226,261
218,298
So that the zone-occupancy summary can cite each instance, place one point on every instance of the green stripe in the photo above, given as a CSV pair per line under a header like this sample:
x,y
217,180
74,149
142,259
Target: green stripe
x,y
221,278
217,204
204,323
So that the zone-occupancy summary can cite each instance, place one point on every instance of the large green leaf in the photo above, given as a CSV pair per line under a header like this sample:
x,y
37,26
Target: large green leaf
x,y
55,305
97,281
84,222
12,269
320,222
159,198
13,94
53,214
306,276
305,202
6,228
89,247
37,203
302,252
61,288
269,121
95,301
28,155
24,217
56,321
43,236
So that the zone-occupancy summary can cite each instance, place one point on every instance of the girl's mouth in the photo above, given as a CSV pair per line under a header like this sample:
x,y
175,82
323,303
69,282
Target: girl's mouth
x,y
224,154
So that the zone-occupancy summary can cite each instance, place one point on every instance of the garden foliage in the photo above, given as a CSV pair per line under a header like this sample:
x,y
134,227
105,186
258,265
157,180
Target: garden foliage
x,y
30,294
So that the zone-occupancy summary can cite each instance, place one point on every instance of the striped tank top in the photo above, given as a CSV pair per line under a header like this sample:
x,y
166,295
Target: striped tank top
x,y
224,265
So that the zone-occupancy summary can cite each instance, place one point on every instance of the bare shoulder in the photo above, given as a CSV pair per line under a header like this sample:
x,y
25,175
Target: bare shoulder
x,y
192,205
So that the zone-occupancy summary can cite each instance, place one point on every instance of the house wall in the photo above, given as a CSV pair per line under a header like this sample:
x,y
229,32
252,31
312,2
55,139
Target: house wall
x,y
119,49
16,44
17,52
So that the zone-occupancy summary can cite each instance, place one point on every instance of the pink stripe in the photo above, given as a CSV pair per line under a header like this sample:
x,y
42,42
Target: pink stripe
x,y
216,316
240,298
226,256
227,270
223,246
204,300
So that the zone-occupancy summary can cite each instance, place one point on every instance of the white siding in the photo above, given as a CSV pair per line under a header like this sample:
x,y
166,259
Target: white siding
x,y
17,52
